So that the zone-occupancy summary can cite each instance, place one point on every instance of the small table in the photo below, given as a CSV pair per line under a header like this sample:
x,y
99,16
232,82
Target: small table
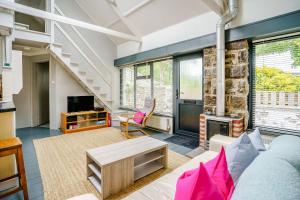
x,y
112,168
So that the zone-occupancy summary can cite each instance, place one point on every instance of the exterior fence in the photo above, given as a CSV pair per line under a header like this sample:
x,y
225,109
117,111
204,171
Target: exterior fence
x,y
278,99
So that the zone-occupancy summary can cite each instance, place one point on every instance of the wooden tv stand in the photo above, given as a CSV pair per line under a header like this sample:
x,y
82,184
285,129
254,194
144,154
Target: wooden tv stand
x,y
83,121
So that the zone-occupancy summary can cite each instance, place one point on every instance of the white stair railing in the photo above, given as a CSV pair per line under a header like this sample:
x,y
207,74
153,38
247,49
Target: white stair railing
x,y
104,77
85,41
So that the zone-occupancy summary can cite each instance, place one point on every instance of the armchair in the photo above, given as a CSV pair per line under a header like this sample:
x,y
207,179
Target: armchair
x,y
126,120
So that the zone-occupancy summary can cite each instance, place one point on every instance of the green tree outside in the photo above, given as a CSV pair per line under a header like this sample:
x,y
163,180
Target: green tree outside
x,y
276,80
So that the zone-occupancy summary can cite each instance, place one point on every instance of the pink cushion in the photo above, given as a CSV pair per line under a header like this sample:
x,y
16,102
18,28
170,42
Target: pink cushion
x,y
139,117
192,182
197,185
218,170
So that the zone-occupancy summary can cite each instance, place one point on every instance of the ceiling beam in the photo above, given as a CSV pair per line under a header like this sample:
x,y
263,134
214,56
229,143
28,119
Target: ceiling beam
x,y
129,12
137,7
66,20
129,25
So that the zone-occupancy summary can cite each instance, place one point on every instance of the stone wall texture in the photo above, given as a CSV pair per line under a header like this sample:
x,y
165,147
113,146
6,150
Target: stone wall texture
x,y
236,80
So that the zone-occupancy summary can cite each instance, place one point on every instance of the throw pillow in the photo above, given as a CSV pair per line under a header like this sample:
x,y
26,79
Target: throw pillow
x,y
139,117
197,185
218,170
257,141
239,156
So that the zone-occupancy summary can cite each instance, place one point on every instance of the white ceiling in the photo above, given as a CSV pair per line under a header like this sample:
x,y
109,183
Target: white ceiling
x,y
152,16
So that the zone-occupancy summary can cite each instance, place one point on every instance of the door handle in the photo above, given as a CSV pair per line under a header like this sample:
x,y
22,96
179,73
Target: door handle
x,y
177,94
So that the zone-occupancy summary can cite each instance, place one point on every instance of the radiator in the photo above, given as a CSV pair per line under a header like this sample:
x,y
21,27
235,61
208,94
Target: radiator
x,y
161,123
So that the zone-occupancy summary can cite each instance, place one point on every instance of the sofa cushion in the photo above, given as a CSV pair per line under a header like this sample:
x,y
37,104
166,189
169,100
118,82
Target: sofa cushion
x,y
268,178
239,155
197,184
218,170
287,147
257,140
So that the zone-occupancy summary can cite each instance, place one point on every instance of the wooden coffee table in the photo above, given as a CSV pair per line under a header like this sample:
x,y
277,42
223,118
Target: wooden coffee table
x,y
112,168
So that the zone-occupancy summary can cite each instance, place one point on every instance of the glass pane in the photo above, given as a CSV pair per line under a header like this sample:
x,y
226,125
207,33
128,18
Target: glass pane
x,y
191,79
277,103
127,82
143,90
162,86
143,70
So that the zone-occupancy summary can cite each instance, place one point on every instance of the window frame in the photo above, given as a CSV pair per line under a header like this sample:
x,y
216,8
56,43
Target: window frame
x,y
252,85
136,77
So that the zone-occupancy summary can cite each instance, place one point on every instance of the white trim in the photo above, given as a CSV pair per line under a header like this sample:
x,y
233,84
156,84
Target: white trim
x,y
66,20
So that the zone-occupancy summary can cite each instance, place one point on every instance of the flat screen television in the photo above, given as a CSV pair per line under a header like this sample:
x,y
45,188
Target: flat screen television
x,y
80,103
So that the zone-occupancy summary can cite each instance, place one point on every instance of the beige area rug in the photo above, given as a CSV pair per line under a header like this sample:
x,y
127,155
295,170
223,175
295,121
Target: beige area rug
x,y
62,163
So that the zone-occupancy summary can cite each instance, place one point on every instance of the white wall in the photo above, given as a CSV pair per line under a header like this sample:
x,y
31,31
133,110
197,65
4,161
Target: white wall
x,y
62,85
23,99
12,77
250,11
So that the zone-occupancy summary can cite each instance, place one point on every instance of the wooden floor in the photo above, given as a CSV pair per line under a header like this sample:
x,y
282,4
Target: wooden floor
x,y
27,135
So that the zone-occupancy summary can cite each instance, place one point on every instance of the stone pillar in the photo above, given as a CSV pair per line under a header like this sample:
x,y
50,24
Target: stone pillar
x,y
236,80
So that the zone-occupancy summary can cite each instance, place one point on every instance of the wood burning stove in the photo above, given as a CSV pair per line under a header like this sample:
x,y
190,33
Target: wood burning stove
x,y
216,127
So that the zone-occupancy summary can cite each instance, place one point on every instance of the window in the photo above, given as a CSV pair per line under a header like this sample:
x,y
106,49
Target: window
x,y
143,84
276,93
127,92
153,79
163,86
191,79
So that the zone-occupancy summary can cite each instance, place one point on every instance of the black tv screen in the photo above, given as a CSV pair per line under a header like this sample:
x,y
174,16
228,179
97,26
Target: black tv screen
x,y
80,103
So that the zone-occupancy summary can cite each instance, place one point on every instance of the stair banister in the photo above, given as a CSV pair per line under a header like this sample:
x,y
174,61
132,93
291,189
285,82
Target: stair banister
x,y
84,41
109,82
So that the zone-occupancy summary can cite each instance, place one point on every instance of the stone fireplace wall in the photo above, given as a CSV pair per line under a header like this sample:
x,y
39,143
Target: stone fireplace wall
x,y
237,87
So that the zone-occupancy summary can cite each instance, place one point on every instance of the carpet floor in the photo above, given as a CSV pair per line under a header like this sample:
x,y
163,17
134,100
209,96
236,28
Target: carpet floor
x,y
62,163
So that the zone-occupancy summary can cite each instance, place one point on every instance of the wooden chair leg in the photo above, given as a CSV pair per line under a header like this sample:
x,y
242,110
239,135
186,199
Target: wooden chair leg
x,y
21,172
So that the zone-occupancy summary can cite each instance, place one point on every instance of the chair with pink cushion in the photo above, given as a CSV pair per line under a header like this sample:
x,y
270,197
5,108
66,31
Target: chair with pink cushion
x,y
138,119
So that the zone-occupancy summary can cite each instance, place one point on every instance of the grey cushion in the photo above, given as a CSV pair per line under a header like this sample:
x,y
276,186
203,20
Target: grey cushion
x,y
268,178
256,140
239,155
273,175
287,147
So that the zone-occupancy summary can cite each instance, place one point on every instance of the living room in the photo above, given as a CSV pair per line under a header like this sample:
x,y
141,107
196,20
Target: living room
x,y
128,99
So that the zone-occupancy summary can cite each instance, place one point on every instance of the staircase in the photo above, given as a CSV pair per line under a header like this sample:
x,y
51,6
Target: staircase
x,y
77,53
80,59
78,72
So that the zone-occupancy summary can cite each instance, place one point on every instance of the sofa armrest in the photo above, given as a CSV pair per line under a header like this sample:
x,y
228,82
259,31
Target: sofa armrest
x,y
217,141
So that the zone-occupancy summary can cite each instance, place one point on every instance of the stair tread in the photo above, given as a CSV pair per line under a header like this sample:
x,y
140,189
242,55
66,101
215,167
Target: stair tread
x,y
74,63
57,44
65,54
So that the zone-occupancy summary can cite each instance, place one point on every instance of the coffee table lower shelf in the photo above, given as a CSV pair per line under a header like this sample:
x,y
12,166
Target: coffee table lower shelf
x,y
96,183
